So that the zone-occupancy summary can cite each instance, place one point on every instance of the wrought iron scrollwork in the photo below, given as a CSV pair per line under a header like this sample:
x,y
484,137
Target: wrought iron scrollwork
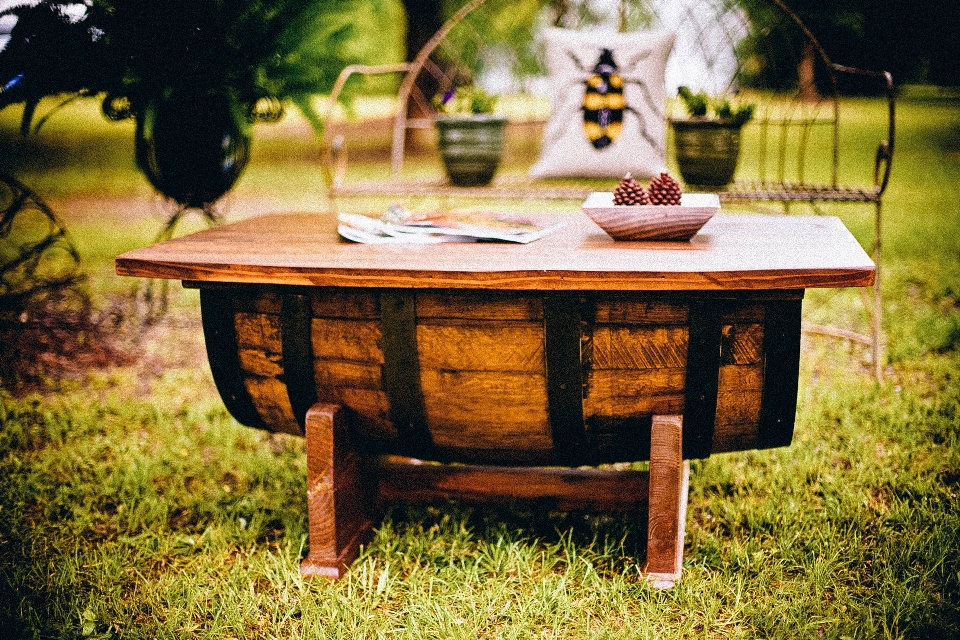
x,y
45,307
38,261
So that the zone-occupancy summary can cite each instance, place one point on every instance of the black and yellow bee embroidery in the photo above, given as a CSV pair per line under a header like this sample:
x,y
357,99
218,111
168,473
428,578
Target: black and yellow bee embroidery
x,y
604,104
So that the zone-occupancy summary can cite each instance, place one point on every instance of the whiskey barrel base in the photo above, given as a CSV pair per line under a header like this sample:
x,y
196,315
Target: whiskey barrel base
x,y
341,496
513,378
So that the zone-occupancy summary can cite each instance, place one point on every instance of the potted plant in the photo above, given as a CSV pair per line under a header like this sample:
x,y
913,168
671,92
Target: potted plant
x,y
193,74
708,141
470,135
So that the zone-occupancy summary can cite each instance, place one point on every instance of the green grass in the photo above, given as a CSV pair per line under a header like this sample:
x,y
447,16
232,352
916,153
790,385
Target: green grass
x,y
133,506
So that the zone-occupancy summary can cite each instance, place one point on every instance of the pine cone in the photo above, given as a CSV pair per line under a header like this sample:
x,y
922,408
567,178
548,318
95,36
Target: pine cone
x,y
664,189
629,191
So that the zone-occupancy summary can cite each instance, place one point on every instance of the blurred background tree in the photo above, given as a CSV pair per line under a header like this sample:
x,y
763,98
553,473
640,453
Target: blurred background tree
x,y
918,42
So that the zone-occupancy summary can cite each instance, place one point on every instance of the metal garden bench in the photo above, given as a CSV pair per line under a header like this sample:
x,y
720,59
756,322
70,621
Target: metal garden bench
x,y
794,149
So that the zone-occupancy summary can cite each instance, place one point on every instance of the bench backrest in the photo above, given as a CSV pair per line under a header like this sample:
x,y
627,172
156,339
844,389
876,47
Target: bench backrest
x,y
794,138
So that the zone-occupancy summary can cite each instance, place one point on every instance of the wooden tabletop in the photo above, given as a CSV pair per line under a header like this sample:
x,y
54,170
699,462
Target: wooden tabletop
x,y
731,252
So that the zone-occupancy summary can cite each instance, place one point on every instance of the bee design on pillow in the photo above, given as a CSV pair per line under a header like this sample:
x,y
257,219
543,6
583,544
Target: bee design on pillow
x,y
604,103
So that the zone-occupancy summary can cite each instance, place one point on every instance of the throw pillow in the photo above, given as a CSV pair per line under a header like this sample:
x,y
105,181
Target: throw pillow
x,y
607,106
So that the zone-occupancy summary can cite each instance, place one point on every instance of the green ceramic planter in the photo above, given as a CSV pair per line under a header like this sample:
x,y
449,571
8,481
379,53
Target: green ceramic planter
x,y
471,147
707,151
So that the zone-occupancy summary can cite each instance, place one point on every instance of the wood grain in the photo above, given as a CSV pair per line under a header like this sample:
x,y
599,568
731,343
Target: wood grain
x,y
732,252
369,412
620,311
259,345
476,340
741,343
348,360
669,478
481,306
265,301
333,374
619,393
260,362
347,339
345,303
639,348
260,330
602,490
491,345
273,403
487,410
339,505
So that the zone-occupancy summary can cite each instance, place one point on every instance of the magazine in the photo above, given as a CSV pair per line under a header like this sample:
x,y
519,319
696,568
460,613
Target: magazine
x,y
400,225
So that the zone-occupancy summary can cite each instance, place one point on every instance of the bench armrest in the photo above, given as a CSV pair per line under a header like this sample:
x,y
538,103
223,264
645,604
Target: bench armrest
x,y
884,155
333,144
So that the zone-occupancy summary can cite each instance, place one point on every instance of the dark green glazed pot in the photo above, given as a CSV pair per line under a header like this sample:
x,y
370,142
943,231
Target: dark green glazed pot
x,y
193,145
471,147
707,151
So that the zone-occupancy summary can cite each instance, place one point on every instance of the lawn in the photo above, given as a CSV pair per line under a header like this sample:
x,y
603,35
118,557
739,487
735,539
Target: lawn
x,y
133,506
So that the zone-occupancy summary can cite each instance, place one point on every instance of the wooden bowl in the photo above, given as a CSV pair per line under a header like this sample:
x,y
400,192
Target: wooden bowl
x,y
649,221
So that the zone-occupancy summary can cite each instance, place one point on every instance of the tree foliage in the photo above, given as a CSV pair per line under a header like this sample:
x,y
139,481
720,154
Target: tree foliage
x,y
917,41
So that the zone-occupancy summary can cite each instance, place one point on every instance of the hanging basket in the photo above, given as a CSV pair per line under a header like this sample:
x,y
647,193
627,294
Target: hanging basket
x,y
193,145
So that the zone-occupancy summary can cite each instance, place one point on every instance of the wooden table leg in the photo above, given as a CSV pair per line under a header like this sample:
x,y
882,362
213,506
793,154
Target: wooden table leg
x,y
338,502
669,483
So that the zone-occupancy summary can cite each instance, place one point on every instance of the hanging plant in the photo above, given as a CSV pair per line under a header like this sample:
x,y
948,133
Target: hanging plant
x,y
147,57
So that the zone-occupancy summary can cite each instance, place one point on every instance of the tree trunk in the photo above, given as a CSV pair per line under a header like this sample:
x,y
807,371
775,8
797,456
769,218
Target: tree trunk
x,y
424,18
805,71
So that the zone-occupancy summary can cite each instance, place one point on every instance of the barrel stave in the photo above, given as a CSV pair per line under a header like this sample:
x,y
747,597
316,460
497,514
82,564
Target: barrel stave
x,y
483,377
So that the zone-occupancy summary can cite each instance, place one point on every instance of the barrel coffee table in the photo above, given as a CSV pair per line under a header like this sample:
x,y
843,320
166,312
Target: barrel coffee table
x,y
527,365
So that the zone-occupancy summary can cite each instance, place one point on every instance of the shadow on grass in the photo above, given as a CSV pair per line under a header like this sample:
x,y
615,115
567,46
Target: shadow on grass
x,y
618,538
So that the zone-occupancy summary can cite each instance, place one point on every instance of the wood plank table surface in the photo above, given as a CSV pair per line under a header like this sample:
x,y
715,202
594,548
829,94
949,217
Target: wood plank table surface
x,y
745,252
568,351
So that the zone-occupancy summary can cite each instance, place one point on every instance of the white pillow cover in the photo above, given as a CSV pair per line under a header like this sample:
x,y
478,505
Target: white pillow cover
x,y
600,133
